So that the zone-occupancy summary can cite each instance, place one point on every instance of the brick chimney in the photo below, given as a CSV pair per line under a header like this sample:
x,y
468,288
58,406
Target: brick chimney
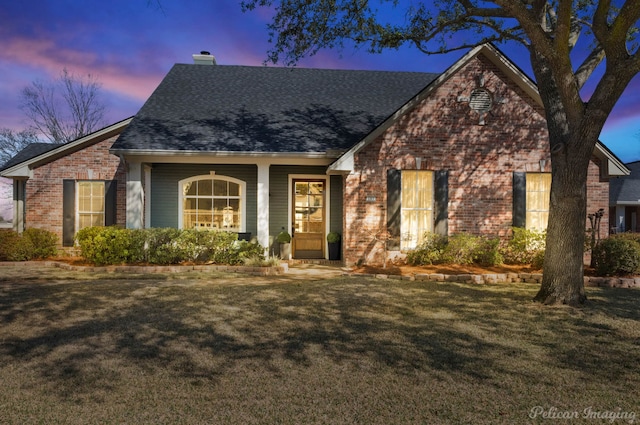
x,y
204,58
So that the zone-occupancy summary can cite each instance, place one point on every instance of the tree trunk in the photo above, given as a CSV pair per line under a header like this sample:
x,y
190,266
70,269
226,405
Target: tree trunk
x,y
563,272
571,140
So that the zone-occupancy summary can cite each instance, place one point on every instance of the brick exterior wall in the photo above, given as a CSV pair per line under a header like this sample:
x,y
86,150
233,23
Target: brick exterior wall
x,y
44,190
446,133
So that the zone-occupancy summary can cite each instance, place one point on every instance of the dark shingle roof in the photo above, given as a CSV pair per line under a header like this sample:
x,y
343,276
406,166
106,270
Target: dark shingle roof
x,y
266,109
30,151
626,189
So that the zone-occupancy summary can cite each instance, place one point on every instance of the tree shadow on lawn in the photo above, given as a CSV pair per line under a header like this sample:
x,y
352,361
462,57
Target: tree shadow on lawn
x,y
86,335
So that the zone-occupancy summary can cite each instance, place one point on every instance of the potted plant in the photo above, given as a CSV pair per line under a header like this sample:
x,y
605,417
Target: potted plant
x,y
333,239
284,241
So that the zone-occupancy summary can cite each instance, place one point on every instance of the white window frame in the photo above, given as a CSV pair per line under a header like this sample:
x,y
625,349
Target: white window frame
x,y
407,244
77,202
212,176
535,211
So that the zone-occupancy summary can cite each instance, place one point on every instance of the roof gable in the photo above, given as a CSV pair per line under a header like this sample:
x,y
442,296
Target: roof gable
x,y
37,154
613,166
28,152
223,108
626,190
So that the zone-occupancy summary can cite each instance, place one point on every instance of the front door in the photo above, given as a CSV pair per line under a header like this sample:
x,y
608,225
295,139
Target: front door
x,y
308,219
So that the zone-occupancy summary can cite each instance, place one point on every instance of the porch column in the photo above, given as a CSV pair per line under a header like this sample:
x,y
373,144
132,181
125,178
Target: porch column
x,y
135,196
147,199
263,205
18,205
619,219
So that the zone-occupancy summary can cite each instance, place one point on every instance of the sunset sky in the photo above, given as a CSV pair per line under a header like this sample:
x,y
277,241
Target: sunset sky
x,y
129,45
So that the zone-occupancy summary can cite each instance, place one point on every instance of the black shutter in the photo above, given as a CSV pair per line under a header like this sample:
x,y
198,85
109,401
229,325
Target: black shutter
x,y
394,188
519,199
68,212
110,202
441,202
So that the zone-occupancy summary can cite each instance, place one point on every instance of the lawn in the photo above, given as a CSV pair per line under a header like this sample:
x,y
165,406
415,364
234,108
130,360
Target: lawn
x,y
198,348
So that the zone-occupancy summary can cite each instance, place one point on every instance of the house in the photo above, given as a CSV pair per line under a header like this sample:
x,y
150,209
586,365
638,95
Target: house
x,y
624,201
379,157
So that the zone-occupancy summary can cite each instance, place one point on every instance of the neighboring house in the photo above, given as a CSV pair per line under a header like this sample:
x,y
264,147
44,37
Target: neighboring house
x,y
624,201
379,157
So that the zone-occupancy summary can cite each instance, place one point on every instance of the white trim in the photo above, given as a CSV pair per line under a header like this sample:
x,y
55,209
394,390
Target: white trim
x,y
262,215
23,169
236,158
147,196
135,196
19,194
211,176
614,167
77,201
327,203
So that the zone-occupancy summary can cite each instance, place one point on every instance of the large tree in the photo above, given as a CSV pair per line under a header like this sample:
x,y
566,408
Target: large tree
x,y
567,41
64,109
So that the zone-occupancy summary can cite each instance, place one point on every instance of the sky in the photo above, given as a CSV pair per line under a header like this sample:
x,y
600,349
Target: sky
x,y
129,45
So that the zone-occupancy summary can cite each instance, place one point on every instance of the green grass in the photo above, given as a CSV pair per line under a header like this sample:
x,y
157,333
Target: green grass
x,y
202,348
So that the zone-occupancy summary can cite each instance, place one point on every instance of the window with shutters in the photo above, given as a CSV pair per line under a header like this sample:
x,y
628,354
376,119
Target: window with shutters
x,y
538,193
90,204
417,207
212,203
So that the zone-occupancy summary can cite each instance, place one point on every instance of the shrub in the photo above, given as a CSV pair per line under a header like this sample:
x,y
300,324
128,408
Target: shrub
x,y
42,243
617,255
105,245
429,251
10,249
283,237
32,244
112,245
524,247
488,252
333,237
161,246
461,248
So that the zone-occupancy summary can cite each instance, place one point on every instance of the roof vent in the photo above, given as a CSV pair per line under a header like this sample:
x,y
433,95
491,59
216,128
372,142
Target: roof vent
x,y
480,100
204,58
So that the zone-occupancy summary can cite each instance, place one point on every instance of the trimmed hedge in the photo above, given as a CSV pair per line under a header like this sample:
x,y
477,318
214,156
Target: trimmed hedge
x,y
114,245
460,248
524,247
618,255
32,244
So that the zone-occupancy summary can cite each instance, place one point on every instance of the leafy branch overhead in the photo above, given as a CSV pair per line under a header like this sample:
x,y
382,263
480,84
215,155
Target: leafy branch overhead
x,y
302,28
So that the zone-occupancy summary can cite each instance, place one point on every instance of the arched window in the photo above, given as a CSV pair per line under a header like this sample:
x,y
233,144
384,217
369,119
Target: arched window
x,y
212,202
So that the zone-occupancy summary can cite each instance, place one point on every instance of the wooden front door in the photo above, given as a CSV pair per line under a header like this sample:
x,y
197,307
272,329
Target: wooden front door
x,y
308,219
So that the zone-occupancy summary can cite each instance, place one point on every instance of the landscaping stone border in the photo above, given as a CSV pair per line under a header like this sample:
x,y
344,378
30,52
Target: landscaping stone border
x,y
283,268
254,271
591,281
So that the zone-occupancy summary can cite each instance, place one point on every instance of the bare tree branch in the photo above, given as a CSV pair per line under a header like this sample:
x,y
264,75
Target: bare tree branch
x,y
65,109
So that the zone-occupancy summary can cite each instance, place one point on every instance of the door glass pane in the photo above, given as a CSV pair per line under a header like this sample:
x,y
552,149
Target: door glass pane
x,y
316,187
309,211
302,201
